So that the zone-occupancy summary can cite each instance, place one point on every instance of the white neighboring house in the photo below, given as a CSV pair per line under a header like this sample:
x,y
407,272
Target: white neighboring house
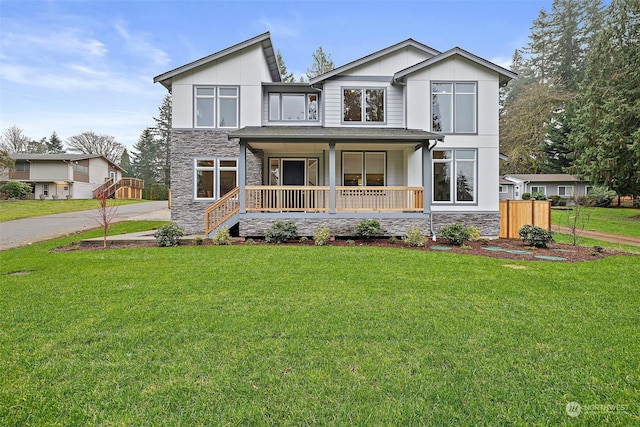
x,y
407,135
64,175
563,185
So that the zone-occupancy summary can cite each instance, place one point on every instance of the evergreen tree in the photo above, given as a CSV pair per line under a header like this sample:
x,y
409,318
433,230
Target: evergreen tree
x,y
125,163
558,150
163,140
322,63
566,51
606,128
54,144
539,47
145,162
286,76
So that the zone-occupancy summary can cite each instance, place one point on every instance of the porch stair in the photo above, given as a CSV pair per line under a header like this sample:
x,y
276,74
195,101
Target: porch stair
x,y
132,186
222,213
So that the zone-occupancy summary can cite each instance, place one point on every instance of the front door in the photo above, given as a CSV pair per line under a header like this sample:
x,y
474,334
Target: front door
x,y
293,172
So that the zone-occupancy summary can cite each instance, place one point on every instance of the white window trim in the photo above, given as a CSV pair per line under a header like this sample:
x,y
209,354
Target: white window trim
x,y
307,102
503,189
544,189
453,190
363,178
565,190
453,106
363,105
216,168
216,105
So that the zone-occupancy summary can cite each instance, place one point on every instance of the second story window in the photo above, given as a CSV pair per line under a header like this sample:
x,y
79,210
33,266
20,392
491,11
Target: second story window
x,y
453,107
216,107
293,107
364,105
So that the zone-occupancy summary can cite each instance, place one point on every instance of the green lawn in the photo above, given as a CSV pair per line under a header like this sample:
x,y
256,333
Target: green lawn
x,y
585,241
625,221
10,210
282,335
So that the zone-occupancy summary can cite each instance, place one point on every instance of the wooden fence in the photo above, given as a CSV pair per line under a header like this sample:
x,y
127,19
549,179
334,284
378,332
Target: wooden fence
x,y
516,213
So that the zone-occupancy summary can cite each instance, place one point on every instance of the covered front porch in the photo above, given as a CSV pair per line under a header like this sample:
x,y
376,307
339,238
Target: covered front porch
x,y
329,173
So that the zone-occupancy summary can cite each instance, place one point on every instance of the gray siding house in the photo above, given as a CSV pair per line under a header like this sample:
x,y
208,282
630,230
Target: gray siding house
x,y
407,135
563,185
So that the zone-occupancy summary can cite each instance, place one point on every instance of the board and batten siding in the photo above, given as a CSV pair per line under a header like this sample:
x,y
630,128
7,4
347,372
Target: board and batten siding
x,y
394,102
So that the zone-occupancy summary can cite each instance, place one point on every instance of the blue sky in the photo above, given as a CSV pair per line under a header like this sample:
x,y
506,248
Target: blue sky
x,y
72,66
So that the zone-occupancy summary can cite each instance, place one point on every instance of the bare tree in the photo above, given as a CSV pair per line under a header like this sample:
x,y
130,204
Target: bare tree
x,y
93,143
106,214
14,140
577,219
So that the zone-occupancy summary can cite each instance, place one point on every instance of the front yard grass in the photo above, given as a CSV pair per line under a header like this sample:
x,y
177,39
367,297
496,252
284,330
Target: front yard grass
x,y
624,221
281,335
19,209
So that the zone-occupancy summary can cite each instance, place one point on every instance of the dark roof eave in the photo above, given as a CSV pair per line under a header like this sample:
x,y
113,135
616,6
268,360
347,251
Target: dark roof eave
x,y
334,134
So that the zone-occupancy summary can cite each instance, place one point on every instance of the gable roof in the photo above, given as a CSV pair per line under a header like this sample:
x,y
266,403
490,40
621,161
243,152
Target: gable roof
x,y
505,75
543,177
374,56
60,157
264,39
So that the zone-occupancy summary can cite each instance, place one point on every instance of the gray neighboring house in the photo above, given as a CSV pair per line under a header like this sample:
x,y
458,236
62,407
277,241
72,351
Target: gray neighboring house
x,y
64,175
512,186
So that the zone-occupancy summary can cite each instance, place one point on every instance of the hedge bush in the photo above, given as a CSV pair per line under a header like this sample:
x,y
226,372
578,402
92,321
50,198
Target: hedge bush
x,y
281,232
535,236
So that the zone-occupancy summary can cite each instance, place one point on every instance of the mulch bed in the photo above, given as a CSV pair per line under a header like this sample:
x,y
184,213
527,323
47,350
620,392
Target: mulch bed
x,y
514,249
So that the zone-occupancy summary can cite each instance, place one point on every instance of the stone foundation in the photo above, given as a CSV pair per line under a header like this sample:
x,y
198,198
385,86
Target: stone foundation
x,y
488,223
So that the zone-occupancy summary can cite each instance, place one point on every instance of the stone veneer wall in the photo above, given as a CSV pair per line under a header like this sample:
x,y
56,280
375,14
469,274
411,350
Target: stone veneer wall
x,y
187,144
488,223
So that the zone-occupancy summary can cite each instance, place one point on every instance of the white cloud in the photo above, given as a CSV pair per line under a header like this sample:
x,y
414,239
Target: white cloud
x,y
502,61
285,29
61,40
138,44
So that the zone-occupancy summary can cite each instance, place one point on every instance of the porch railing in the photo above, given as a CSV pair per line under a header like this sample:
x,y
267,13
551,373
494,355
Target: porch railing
x,y
379,199
263,198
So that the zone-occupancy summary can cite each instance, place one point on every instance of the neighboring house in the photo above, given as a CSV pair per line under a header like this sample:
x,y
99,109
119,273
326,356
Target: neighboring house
x,y
62,175
563,185
407,135
506,189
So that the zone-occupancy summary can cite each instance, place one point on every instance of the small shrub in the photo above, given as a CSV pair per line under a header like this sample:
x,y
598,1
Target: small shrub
x,y
466,247
249,241
526,196
15,189
474,232
393,240
281,232
304,239
198,241
414,237
538,196
168,235
581,200
222,237
351,242
555,200
368,228
321,236
598,249
455,234
535,236
562,202
600,197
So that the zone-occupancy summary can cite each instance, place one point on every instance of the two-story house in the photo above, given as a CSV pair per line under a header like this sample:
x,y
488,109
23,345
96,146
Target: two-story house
x,y
64,175
407,135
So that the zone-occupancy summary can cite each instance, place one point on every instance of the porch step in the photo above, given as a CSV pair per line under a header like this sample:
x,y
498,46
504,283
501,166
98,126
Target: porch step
x,y
230,222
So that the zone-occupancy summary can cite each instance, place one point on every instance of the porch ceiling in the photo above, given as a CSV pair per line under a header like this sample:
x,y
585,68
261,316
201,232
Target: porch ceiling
x,y
270,134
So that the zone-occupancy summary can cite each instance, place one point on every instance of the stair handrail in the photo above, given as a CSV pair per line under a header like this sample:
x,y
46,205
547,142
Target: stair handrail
x,y
223,209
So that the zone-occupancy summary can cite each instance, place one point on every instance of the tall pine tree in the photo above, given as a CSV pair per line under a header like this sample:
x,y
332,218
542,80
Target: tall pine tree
x,y
286,76
163,140
146,164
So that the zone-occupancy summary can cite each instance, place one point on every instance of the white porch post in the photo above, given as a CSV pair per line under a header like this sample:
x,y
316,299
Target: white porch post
x,y
242,175
426,177
332,177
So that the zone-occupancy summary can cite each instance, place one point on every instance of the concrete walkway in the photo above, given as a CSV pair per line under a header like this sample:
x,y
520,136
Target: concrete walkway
x,y
607,237
22,232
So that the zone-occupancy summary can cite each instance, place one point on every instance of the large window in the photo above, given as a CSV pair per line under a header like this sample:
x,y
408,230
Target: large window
x,y
216,107
453,107
454,176
293,107
22,166
214,177
565,190
363,168
363,105
539,189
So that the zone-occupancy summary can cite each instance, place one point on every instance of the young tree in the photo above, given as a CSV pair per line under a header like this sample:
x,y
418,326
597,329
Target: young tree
x,y
54,144
14,140
92,143
163,140
286,76
106,214
322,63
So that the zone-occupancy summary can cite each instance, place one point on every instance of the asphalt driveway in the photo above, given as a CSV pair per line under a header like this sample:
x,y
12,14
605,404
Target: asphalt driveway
x,y
22,232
